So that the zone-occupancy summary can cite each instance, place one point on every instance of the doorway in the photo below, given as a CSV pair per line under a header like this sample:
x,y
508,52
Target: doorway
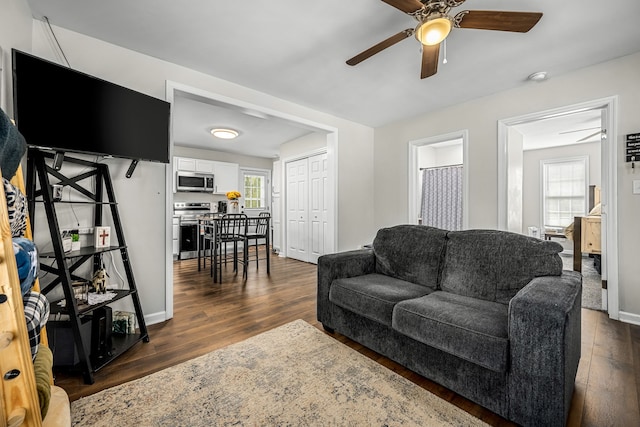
x,y
174,90
511,191
435,152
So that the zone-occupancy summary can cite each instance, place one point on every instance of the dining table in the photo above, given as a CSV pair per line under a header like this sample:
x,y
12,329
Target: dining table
x,y
208,234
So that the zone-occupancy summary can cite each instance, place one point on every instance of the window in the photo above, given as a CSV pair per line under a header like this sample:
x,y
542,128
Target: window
x,y
255,189
564,190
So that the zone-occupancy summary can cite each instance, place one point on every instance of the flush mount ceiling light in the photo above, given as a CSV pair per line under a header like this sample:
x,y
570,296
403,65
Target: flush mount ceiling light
x,y
434,29
540,76
224,133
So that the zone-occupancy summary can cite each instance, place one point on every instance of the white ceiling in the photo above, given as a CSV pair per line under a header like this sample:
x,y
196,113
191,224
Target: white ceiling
x,y
577,128
296,49
260,134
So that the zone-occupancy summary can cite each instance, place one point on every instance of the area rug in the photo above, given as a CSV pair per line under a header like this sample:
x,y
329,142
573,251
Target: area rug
x,y
591,281
293,375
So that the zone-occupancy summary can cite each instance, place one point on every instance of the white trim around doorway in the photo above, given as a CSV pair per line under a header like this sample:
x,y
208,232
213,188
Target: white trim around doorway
x,y
414,169
609,183
173,88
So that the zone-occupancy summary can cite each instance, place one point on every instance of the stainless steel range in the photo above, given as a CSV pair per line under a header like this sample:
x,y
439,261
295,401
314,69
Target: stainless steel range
x,y
188,213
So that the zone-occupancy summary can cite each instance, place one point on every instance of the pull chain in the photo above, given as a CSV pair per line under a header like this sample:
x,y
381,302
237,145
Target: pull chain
x,y
444,61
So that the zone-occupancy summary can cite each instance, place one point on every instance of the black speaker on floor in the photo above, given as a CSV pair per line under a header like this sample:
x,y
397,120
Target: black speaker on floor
x,y
101,333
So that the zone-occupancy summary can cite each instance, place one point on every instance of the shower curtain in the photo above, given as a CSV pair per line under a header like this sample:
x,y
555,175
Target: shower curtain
x,y
442,197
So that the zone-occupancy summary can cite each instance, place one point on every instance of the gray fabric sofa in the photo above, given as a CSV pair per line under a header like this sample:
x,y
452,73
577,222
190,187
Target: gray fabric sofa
x,y
488,314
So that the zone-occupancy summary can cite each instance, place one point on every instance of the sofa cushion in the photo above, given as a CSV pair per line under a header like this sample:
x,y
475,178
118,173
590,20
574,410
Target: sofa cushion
x,y
494,265
410,252
469,328
373,295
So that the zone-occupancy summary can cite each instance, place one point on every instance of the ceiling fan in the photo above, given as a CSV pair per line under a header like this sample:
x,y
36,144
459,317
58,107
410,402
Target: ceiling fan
x,y
586,138
435,23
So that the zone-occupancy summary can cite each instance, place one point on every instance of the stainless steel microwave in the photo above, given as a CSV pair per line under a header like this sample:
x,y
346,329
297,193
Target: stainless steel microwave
x,y
194,181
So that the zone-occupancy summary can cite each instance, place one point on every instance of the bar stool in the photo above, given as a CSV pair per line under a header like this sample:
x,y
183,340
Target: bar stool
x,y
258,230
231,228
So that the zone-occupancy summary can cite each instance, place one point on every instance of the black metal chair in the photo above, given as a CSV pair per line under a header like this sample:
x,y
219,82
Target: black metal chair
x,y
258,230
206,239
230,229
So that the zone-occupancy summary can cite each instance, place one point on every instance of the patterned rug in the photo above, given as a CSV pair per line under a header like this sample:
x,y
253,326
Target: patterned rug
x,y
591,281
291,375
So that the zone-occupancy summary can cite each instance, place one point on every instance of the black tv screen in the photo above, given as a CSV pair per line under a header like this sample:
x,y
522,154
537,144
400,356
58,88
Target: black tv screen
x,y
64,110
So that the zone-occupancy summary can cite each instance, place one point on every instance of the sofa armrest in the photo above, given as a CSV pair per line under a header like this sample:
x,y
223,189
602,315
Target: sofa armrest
x,y
544,335
338,266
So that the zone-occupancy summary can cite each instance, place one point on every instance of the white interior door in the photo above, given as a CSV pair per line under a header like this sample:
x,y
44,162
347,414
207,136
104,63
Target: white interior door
x,y
297,210
317,205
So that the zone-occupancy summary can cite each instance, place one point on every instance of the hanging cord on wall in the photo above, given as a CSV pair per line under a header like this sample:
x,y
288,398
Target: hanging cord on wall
x,y
113,263
56,40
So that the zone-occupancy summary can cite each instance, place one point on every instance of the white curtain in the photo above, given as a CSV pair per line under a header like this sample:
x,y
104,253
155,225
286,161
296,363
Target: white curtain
x,y
442,197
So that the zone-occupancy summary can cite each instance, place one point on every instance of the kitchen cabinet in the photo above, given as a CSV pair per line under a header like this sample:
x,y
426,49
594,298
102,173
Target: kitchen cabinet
x,y
185,164
225,177
225,173
205,166
176,236
194,165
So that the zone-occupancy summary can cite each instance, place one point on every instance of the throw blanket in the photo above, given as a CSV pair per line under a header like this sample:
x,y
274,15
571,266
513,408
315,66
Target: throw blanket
x,y
42,368
12,146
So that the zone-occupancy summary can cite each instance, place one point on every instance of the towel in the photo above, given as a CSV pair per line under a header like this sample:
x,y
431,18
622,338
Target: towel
x,y
12,146
42,368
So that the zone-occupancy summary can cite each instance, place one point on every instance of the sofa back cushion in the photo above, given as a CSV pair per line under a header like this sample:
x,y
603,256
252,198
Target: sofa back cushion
x,y
494,265
411,253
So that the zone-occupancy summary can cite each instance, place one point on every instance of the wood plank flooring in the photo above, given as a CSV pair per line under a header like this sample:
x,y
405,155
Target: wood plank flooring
x,y
209,316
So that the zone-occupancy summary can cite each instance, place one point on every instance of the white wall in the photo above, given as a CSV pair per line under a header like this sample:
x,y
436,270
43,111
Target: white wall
x,y
143,199
434,155
532,199
15,32
303,145
618,77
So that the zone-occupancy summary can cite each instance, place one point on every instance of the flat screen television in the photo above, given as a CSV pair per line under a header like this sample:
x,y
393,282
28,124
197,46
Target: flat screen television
x,y
65,110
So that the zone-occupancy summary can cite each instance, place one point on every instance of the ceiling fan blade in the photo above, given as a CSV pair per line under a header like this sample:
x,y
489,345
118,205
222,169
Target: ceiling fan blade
x,y
578,130
430,57
589,137
380,46
519,22
407,6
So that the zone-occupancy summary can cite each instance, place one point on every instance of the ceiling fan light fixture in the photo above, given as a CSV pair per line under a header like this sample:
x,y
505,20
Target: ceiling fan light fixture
x,y
434,30
224,133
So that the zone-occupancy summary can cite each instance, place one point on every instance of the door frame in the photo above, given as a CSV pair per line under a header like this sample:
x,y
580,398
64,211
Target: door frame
x,y
414,169
609,179
172,89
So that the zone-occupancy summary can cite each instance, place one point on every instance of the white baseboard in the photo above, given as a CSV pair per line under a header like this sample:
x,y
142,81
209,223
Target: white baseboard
x,y
154,318
629,317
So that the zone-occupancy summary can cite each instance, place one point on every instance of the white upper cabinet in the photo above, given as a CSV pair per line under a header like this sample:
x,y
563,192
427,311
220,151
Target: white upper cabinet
x,y
225,177
185,164
205,166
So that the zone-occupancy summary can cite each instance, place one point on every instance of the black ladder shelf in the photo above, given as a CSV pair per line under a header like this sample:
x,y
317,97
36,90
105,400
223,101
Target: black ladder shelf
x,y
66,264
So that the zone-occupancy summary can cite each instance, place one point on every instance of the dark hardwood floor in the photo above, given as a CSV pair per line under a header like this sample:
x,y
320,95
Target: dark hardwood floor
x,y
209,316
